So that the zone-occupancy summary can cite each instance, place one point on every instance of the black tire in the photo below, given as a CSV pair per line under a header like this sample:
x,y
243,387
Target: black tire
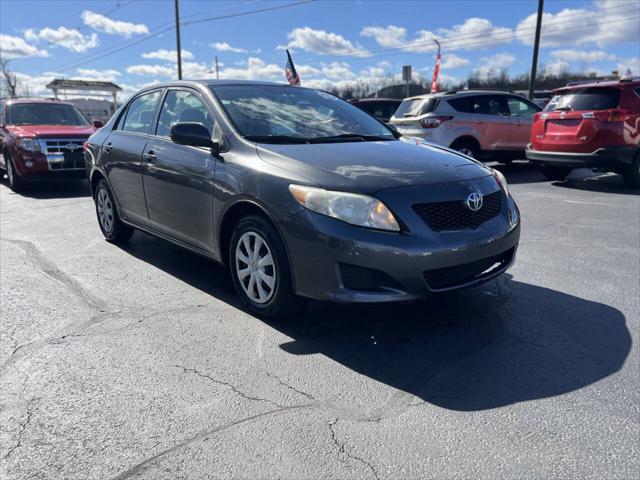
x,y
111,226
279,300
555,173
13,177
632,173
466,147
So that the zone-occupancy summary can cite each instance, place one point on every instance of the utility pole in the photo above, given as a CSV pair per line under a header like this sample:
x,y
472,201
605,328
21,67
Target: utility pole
x,y
178,49
217,69
536,45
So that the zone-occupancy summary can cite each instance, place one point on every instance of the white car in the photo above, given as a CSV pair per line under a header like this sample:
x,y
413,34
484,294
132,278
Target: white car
x,y
481,124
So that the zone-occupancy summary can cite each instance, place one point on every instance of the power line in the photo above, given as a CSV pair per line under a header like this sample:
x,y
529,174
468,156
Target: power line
x,y
131,43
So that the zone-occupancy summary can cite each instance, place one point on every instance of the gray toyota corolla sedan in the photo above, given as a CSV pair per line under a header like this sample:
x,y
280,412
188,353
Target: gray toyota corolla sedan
x,y
300,194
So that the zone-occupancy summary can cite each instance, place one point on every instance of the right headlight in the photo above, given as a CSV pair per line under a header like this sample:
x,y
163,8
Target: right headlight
x,y
501,180
352,208
30,144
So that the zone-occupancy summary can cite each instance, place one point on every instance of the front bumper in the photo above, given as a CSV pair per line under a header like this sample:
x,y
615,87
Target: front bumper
x,y
602,158
319,246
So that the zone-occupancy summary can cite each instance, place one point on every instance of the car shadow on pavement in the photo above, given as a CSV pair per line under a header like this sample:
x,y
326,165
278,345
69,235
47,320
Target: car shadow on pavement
x,y
520,171
594,182
55,188
498,344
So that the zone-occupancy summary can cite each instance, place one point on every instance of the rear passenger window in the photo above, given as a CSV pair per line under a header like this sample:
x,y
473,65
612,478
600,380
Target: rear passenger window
x,y
462,104
139,116
182,106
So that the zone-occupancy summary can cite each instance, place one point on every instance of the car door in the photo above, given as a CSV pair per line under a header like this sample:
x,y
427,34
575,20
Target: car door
x,y
493,113
521,114
122,155
178,179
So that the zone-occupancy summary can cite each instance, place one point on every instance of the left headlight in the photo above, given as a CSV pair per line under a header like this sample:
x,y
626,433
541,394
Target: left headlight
x,y
30,144
501,180
352,208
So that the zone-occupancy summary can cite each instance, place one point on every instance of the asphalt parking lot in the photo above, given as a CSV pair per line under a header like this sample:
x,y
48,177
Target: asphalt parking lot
x,y
137,362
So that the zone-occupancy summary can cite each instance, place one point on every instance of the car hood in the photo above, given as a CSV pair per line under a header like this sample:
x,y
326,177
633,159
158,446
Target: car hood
x,y
50,130
368,167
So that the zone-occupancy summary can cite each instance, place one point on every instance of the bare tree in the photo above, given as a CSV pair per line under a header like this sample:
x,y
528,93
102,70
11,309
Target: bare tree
x,y
9,78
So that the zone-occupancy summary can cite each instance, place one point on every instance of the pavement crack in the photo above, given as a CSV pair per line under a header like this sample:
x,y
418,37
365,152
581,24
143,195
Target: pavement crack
x,y
342,450
233,388
290,387
23,427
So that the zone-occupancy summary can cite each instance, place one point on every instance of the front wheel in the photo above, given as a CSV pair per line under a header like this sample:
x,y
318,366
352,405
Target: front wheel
x,y
260,269
110,224
466,147
555,173
632,173
13,177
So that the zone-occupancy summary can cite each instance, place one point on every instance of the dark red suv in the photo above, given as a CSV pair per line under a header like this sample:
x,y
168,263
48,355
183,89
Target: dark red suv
x,y
40,139
595,125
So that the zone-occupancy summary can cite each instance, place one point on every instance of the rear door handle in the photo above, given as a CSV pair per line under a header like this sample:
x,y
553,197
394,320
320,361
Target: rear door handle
x,y
107,148
150,156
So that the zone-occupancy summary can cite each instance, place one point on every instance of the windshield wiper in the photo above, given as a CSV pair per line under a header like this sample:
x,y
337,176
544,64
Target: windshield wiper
x,y
350,137
563,109
280,139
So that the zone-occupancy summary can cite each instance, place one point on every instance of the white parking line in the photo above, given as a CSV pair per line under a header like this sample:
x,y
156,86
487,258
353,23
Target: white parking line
x,y
589,203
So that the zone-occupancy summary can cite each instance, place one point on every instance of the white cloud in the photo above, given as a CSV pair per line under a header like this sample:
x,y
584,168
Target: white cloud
x,y
582,56
322,42
225,47
337,71
306,70
15,47
555,69
113,27
68,38
609,23
492,65
256,69
168,55
474,33
451,61
632,64
152,70
108,75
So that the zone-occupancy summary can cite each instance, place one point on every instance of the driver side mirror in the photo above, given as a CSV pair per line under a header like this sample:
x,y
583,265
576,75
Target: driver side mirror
x,y
98,123
194,135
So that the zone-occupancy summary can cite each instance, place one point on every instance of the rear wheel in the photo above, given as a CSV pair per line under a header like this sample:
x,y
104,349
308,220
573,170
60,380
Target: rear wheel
x,y
555,173
110,224
260,269
466,147
632,173
13,177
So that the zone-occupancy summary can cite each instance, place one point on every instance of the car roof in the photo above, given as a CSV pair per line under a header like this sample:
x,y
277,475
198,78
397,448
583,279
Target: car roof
x,y
462,93
595,84
12,101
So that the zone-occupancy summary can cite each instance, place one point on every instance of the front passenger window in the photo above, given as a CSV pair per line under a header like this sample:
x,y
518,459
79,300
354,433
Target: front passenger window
x,y
180,106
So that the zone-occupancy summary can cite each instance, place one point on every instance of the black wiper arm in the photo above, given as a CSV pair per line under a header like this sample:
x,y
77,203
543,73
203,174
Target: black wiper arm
x,y
349,137
563,109
280,139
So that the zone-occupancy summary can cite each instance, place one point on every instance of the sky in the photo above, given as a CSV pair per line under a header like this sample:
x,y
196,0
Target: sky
x,y
333,42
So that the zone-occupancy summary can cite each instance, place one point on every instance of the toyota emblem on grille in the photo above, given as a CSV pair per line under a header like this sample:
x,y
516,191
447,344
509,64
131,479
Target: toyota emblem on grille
x,y
72,146
474,202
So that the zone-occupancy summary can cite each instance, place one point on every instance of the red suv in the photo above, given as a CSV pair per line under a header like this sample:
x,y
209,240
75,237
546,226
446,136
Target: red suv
x,y
595,125
40,139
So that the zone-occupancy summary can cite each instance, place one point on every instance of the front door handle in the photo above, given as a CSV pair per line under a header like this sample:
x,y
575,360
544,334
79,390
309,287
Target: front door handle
x,y
150,156
107,148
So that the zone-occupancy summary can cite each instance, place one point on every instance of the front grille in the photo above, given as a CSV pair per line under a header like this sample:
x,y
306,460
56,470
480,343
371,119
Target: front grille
x,y
362,278
451,277
64,153
455,215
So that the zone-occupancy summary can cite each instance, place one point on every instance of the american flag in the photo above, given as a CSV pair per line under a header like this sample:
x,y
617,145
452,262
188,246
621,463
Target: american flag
x,y
290,71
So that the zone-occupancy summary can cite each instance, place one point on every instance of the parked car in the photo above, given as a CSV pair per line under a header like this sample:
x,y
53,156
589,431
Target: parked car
x,y
480,124
593,125
300,194
41,139
381,108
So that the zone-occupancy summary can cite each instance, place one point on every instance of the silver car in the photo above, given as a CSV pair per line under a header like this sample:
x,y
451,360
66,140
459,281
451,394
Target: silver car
x,y
481,124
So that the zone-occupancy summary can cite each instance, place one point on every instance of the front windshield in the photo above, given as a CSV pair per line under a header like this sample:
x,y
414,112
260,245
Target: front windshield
x,y
284,114
45,114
